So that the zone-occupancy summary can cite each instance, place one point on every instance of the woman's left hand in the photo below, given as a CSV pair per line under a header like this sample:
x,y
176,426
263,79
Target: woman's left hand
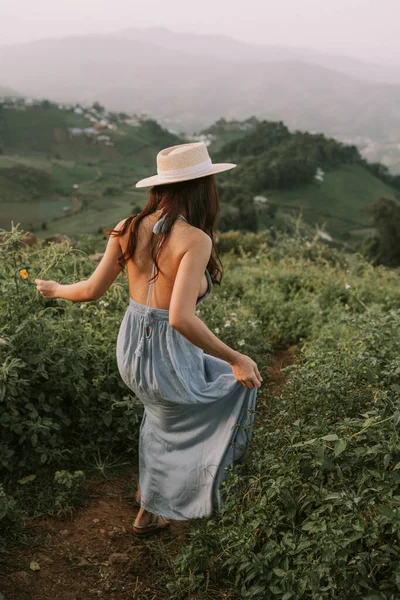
x,y
48,289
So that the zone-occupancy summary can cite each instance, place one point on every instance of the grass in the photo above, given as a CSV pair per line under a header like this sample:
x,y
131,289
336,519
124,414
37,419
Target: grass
x,y
339,200
38,139
107,211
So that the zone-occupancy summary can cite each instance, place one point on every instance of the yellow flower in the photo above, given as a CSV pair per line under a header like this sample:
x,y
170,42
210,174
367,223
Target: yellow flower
x,y
24,273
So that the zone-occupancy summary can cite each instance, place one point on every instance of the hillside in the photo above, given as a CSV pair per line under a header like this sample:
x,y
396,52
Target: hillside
x,y
280,172
152,73
78,165
68,169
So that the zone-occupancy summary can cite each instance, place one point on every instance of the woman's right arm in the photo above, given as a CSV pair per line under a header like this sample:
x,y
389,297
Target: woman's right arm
x,y
182,318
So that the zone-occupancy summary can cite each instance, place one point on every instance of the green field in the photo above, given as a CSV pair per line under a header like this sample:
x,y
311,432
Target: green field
x,y
44,170
107,211
338,201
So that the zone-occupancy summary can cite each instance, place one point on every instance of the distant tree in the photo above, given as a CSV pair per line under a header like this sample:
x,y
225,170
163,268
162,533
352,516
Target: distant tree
x,y
271,210
384,248
227,222
248,220
113,117
247,217
378,169
98,107
135,208
45,104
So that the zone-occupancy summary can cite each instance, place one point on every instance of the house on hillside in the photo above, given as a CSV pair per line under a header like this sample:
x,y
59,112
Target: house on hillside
x,y
133,122
260,200
205,138
75,131
100,125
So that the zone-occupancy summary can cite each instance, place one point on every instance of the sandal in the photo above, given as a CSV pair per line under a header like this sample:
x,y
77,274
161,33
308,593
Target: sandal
x,y
151,528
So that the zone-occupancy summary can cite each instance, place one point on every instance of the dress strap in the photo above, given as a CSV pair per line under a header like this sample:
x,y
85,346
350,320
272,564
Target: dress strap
x,y
150,291
158,225
146,320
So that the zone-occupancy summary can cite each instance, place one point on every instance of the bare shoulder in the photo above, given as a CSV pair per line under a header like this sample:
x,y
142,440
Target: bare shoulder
x,y
122,237
195,237
196,243
120,225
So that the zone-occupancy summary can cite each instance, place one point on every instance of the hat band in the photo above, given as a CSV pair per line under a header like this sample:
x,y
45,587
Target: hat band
x,y
192,171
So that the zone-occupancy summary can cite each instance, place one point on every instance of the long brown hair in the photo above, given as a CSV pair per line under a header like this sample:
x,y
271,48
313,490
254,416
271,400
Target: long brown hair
x,y
198,197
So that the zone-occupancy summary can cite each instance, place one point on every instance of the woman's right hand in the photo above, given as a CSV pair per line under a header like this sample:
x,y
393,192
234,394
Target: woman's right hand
x,y
245,370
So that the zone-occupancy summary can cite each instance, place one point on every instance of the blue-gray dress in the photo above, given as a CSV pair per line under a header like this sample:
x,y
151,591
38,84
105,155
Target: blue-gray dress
x,y
197,417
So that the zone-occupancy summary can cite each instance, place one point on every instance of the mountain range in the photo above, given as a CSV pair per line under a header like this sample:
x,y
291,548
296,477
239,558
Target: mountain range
x,y
187,81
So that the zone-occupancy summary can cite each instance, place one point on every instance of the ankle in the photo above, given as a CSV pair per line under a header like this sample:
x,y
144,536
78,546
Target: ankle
x,y
144,517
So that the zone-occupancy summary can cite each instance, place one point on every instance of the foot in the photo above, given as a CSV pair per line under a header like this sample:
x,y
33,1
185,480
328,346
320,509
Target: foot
x,y
147,523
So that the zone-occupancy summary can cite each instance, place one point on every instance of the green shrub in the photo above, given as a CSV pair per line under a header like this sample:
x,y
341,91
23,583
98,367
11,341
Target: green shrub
x,y
317,513
61,394
10,517
68,489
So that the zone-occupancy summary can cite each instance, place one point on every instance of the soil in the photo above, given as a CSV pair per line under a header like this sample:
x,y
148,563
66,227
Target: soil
x,y
92,553
276,376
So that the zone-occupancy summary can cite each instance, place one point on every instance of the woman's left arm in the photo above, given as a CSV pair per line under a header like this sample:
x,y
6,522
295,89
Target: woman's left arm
x,y
98,283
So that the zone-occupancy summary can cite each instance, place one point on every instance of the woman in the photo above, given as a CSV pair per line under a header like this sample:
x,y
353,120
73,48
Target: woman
x,y
199,394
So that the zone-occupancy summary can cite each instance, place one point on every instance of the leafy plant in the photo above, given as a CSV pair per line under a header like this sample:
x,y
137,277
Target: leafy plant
x,y
68,489
10,517
61,393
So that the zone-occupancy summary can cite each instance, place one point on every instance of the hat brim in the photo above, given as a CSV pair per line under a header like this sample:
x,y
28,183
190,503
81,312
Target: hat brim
x,y
158,180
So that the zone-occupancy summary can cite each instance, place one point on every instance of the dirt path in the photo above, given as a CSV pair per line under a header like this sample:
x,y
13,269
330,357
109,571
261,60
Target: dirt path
x,y
276,377
90,555
93,554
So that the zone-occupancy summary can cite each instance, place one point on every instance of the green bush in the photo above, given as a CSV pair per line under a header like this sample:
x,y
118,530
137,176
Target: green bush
x,y
68,489
10,517
61,394
317,514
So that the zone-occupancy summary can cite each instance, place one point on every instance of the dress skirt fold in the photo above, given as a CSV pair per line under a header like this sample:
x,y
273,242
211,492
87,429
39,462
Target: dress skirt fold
x,y
197,417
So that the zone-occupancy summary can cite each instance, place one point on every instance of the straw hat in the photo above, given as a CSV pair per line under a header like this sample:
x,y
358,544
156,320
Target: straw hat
x,y
183,162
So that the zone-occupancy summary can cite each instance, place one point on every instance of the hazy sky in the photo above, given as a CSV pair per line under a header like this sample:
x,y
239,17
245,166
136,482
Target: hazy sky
x,y
362,28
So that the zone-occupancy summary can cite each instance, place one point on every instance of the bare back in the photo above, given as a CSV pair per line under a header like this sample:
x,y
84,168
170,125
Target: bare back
x,y
140,265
